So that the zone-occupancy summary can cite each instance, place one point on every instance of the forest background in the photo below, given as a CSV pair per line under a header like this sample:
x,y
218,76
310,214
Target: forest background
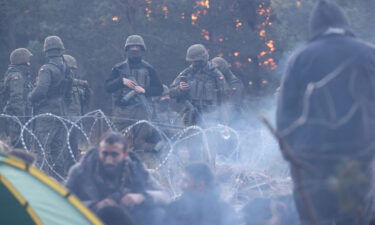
x,y
255,36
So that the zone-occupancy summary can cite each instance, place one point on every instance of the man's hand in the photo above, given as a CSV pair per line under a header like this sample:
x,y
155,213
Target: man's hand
x,y
184,86
132,199
105,203
129,83
139,89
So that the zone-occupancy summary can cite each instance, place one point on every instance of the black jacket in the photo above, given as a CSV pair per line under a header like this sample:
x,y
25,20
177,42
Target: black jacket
x,y
327,101
115,86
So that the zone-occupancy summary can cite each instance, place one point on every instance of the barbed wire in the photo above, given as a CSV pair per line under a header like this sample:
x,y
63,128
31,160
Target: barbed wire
x,y
169,160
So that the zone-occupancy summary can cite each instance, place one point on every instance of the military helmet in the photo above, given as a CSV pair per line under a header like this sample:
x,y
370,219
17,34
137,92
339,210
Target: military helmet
x,y
135,40
53,42
20,56
71,62
220,63
197,52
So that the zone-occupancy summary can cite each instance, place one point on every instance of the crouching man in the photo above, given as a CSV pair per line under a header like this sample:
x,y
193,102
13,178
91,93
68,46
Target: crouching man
x,y
110,176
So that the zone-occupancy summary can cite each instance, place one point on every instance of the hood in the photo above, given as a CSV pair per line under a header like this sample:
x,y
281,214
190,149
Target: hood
x,y
328,18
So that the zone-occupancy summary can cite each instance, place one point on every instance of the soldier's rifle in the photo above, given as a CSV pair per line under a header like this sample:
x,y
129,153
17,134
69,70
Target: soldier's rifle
x,y
140,96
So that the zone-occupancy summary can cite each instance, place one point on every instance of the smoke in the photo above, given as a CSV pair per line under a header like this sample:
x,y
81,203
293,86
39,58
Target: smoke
x,y
242,153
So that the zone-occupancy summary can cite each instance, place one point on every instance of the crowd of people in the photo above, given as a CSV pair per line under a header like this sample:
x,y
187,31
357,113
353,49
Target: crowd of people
x,y
324,120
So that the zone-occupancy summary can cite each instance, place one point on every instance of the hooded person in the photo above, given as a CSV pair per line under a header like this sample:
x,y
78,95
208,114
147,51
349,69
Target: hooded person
x,y
324,117
113,176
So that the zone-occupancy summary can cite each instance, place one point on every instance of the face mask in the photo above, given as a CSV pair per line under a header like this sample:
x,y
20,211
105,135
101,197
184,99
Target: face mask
x,y
134,56
198,65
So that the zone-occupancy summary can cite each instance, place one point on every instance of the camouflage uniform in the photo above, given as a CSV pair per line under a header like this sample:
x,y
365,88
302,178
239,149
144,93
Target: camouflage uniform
x,y
202,99
80,93
77,102
130,107
17,85
207,87
235,93
48,97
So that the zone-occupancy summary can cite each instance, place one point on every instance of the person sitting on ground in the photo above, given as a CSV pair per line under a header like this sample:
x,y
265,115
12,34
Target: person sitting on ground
x,y
200,202
110,175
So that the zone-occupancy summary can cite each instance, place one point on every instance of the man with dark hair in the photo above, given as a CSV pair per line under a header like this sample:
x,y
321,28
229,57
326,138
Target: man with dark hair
x,y
325,118
110,175
200,203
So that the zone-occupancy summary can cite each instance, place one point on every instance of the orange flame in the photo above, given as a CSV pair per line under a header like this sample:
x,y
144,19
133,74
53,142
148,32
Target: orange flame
x,y
271,45
238,23
194,18
238,64
270,63
262,33
115,19
263,53
236,54
205,34
165,11
265,12
204,3
148,13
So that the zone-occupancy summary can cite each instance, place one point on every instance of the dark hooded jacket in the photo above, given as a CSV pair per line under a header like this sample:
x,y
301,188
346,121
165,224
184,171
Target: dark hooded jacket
x,y
83,180
326,107
51,85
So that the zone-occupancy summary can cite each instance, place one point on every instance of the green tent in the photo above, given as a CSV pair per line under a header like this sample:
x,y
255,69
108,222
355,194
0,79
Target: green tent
x,y
28,196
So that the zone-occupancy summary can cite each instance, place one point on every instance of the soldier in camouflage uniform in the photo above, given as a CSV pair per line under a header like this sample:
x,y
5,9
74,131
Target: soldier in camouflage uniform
x,y
77,102
132,83
235,93
201,87
17,85
53,86
80,93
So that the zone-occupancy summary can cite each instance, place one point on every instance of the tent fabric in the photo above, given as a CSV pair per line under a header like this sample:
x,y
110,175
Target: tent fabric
x,y
36,197
14,206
